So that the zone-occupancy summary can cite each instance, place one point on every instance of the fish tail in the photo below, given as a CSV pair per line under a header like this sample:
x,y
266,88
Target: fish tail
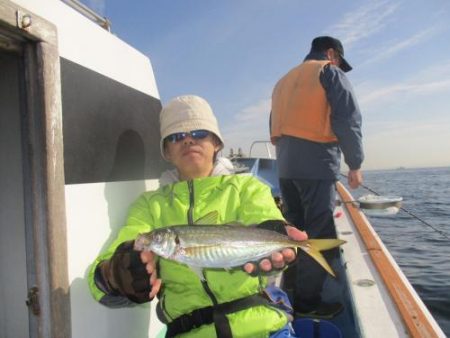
x,y
315,246
318,257
325,244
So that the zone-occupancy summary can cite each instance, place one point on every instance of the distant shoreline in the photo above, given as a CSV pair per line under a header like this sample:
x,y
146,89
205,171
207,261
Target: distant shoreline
x,y
408,168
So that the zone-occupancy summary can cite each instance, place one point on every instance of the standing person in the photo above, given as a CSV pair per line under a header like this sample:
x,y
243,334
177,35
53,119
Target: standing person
x,y
315,117
226,303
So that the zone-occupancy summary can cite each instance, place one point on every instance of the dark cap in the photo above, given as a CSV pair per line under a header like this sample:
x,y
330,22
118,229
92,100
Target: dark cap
x,y
322,43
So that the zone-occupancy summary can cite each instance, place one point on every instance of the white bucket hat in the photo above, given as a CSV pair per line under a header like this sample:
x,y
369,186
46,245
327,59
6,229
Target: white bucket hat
x,y
185,114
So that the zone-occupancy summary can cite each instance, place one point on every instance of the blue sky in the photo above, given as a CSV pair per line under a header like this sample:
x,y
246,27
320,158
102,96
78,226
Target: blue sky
x,y
233,52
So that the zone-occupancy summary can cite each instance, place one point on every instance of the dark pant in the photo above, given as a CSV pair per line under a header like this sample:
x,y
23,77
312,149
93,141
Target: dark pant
x,y
309,205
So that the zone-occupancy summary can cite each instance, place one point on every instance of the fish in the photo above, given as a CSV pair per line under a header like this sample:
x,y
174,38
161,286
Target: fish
x,y
225,246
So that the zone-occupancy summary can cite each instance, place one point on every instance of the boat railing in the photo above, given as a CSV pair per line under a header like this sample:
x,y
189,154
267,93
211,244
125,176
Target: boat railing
x,y
264,167
267,145
89,13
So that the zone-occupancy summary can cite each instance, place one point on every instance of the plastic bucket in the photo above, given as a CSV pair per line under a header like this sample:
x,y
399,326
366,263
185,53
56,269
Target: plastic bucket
x,y
314,328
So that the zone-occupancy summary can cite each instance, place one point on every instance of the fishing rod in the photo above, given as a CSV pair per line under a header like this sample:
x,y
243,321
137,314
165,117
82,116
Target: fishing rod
x,y
405,210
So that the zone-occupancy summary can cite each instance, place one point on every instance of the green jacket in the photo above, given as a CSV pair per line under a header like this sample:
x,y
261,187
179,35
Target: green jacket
x,y
236,198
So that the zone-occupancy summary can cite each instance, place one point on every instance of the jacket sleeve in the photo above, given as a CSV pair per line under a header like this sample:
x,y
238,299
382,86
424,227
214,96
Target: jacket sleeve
x,y
139,220
345,115
257,204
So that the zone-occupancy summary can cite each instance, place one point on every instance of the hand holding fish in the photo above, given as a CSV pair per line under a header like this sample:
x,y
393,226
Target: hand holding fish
x,y
149,259
279,259
228,246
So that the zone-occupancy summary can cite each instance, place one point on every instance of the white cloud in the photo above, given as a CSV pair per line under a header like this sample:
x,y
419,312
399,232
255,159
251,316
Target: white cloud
x,y
440,70
408,144
388,93
254,112
248,125
364,21
396,47
434,79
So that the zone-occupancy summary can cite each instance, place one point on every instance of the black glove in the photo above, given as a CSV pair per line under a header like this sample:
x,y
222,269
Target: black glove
x,y
124,274
274,225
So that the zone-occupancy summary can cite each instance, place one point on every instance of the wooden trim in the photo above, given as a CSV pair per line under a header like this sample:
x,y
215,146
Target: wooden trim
x,y
49,72
416,321
42,118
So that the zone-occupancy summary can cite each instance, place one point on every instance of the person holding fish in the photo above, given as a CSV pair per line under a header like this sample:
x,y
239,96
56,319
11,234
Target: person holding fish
x,y
192,243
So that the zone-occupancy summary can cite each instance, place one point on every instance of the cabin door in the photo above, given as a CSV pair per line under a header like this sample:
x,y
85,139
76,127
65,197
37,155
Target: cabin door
x,y
34,296
13,244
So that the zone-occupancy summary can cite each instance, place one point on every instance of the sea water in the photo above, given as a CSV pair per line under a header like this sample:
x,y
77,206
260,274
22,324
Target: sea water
x,y
422,253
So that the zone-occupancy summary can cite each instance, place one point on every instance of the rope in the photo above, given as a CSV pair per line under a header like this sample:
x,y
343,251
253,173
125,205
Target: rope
x,y
408,212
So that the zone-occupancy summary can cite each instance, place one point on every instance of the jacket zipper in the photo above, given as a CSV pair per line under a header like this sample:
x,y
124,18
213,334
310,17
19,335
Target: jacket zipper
x,y
191,222
190,219
191,202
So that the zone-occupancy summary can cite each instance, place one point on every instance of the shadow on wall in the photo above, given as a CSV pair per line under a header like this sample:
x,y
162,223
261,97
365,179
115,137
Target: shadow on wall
x,y
129,169
129,160
124,185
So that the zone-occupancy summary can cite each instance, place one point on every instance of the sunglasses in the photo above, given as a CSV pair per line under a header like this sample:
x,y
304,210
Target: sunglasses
x,y
195,134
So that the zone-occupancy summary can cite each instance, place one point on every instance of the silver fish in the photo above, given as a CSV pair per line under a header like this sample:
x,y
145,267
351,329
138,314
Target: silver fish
x,y
225,246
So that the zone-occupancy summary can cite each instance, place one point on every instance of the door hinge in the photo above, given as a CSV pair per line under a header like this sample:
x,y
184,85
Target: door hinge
x,y
33,300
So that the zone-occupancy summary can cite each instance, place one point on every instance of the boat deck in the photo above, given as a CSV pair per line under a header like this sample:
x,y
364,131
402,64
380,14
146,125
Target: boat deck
x,y
378,299
383,300
369,303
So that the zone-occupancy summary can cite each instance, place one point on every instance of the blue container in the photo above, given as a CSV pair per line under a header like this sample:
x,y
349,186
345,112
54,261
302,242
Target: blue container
x,y
314,328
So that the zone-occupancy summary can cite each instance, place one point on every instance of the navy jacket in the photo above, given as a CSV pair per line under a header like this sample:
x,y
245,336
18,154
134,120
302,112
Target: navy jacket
x,y
303,159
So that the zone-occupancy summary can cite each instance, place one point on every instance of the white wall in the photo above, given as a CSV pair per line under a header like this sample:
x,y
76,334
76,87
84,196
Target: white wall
x,y
95,212
84,42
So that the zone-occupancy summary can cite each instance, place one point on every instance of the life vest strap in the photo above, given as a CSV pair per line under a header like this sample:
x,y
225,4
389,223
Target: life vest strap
x,y
213,314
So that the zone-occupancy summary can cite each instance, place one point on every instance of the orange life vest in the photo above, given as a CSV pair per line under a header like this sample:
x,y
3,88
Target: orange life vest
x,y
300,107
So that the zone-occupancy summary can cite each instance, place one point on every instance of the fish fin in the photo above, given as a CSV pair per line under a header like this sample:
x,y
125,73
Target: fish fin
x,y
325,244
199,271
209,218
318,258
